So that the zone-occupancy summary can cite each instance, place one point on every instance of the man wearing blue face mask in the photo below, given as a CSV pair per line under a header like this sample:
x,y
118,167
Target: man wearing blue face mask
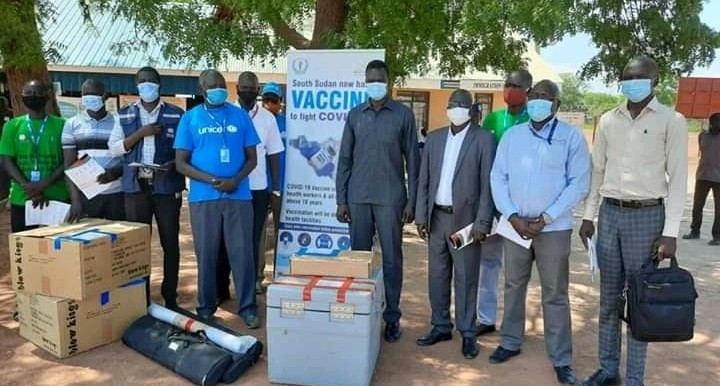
x,y
216,148
86,135
145,136
639,158
541,172
378,145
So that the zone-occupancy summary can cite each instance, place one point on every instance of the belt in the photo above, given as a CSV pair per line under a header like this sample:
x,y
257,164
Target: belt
x,y
634,204
444,208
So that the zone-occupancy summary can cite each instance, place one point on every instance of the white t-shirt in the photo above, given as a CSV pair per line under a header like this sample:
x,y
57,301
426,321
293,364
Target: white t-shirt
x,y
270,143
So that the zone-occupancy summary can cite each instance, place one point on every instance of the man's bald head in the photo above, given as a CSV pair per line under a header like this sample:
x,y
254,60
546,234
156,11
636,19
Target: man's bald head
x,y
92,87
546,89
641,67
520,79
248,80
210,79
460,98
35,88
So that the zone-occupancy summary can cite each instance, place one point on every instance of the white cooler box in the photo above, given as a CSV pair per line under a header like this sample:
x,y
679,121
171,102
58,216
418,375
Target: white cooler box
x,y
324,331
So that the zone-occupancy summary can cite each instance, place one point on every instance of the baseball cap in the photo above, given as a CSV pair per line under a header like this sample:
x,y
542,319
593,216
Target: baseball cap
x,y
272,88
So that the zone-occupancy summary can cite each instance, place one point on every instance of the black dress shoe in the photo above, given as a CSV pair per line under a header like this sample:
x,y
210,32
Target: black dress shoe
x,y
470,348
502,355
565,375
483,329
392,332
601,378
691,236
433,337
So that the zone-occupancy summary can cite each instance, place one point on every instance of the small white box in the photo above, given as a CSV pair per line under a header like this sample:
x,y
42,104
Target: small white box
x,y
324,331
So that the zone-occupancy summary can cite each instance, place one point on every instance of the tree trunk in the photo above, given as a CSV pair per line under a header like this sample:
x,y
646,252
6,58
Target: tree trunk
x,y
22,53
330,18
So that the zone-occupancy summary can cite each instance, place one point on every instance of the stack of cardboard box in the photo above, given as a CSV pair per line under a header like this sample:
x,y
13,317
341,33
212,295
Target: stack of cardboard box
x,y
324,319
79,286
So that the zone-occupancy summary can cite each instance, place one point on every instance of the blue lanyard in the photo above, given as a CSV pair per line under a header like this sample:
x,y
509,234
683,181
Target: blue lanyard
x,y
35,137
552,131
224,124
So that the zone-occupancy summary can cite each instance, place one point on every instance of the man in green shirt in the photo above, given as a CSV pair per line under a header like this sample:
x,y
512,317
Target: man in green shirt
x,y
517,85
31,152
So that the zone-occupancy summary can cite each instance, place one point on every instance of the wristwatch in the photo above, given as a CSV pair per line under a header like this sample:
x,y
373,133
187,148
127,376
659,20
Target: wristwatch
x,y
276,193
546,219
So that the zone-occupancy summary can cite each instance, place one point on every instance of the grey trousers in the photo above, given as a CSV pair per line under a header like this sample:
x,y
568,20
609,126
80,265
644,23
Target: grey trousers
x,y
446,263
387,220
231,220
551,251
625,239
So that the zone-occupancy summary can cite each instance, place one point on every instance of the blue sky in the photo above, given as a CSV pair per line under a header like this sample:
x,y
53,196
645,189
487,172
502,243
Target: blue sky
x,y
570,53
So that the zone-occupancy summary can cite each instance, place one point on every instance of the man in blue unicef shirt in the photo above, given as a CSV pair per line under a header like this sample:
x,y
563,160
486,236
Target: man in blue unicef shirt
x,y
215,148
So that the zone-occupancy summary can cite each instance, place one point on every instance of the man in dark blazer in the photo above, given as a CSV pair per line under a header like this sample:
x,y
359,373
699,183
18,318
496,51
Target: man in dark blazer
x,y
454,192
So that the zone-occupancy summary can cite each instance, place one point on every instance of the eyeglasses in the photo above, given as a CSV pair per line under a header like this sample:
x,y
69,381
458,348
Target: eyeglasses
x,y
512,85
452,105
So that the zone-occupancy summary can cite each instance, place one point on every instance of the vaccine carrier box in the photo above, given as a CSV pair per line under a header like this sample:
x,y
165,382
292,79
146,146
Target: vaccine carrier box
x,y
324,331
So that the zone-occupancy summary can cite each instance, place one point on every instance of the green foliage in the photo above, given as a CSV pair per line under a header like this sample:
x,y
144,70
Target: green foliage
x,y
666,90
596,104
573,92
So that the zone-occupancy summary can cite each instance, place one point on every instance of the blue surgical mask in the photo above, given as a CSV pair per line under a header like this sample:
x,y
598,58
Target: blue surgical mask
x,y
149,92
217,96
539,109
92,102
376,90
635,90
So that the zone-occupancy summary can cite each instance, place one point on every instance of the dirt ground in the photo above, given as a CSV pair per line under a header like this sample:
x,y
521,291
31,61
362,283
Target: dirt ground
x,y
403,363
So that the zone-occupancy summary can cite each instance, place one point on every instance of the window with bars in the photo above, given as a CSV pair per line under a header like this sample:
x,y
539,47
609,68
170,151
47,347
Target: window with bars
x,y
486,101
418,102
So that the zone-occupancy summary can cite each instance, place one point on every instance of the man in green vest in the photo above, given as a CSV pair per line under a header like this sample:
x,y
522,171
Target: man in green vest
x,y
517,85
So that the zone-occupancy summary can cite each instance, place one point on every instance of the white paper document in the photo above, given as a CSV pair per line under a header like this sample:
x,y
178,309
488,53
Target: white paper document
x,y
163,167
53,214
506,230
592,256
84,174
462,238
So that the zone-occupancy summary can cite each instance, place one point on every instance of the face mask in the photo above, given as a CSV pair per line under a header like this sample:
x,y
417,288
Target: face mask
x,y
376,90
635,90
514,96
34,102
458,115
92,102
149,92
248,98
539,109
216,96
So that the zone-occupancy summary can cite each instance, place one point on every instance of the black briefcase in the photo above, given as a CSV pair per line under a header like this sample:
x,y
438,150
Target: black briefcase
x,y
660,303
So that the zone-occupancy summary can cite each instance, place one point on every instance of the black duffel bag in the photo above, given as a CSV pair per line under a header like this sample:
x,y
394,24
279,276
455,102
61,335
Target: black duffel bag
x,y
187,354
660,303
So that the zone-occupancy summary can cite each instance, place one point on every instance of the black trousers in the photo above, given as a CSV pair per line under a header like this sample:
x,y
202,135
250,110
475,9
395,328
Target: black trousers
x,y
107,206
260,201
17,219
702,188
141,207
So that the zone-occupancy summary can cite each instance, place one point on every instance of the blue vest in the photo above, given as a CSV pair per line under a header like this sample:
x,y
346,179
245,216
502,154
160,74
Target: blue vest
x,y
170,182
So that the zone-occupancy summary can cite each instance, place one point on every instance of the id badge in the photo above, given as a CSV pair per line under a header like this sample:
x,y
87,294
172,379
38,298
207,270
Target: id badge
x,y
35,176
224,155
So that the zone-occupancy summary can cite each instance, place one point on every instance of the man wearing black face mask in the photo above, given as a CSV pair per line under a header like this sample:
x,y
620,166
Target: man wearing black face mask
x,y
31,152
707,178
86,135
268,149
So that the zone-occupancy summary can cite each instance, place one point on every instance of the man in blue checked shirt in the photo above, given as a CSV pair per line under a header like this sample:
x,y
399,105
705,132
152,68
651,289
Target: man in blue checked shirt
x,y
541,172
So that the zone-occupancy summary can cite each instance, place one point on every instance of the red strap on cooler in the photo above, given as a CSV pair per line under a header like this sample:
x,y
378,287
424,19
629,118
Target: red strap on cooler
x,y
188,324
343,289
307,291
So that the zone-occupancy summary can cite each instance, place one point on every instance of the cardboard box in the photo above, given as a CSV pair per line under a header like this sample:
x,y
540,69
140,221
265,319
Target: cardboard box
x,y
356,264
79,261
65,327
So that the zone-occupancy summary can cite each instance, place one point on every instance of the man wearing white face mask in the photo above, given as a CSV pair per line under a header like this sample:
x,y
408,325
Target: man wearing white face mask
x,y
379,144
541,172
86,135
145,135
454,191
639,158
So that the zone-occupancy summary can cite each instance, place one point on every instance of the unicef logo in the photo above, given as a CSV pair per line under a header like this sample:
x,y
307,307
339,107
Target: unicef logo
x,y
232,129
22,137
300,65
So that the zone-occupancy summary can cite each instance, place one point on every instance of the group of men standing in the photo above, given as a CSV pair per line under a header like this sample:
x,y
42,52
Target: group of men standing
x,y
532,173
147,150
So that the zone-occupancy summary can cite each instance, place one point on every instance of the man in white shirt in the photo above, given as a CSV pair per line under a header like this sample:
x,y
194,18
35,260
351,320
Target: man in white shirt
x,y
454,192
639,159
268,152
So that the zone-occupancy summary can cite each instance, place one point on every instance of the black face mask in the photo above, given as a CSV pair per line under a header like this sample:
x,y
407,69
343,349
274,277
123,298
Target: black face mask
x,y
34,102
248,98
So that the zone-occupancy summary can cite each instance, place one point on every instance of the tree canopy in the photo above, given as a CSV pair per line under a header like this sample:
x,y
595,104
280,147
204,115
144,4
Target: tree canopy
x,y
419,35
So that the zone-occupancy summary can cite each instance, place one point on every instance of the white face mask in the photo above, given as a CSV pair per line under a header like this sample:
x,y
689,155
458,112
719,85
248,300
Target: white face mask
x,y
458,115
